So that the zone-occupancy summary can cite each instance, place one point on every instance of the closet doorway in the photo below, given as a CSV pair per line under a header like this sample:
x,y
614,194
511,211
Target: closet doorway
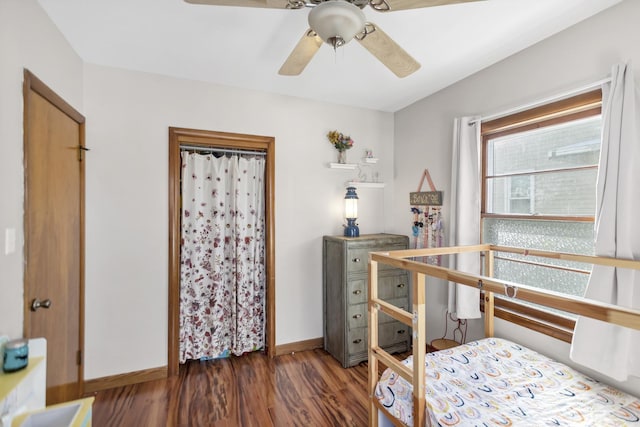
x,y
209,141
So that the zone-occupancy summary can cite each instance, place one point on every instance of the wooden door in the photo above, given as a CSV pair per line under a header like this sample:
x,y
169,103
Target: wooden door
x,y
54,237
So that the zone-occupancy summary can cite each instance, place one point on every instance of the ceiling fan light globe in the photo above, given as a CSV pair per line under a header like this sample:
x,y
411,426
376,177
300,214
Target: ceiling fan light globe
x,y
336,19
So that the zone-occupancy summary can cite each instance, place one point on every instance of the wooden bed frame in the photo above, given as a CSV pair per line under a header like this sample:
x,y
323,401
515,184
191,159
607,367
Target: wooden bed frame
x,y
489,285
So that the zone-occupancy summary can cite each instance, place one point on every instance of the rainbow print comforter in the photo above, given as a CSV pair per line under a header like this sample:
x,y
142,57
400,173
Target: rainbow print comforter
x,y
494,382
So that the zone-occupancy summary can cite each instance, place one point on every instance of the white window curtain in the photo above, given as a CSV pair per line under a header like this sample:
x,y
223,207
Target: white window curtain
x,y
464,301
222,271
610,349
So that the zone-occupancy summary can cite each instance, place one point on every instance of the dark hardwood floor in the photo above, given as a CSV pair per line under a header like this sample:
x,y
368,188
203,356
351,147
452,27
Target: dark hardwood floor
x,y
308,389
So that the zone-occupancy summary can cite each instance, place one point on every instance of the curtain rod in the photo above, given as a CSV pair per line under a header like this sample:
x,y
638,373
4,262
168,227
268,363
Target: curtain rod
x,y
576,91
221,150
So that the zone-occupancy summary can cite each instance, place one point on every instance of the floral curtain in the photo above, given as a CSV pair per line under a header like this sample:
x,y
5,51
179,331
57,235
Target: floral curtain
x,y
222,267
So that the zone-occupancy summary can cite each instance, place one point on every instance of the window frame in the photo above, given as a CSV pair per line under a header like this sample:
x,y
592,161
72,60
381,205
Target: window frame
x,y
577,107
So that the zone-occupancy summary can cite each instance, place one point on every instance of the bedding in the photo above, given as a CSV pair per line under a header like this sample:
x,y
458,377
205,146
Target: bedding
x,y
495,382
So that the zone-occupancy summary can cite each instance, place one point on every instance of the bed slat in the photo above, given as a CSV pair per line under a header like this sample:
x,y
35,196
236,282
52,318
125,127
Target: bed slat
x,y
391,362
393,311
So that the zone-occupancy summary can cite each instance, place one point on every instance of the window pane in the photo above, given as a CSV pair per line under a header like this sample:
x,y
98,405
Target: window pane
x,y
559,236
567,282
565,193
572,144
546,171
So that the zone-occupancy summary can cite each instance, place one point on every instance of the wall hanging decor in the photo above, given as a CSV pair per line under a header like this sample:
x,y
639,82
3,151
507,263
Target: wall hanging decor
x,y
427,228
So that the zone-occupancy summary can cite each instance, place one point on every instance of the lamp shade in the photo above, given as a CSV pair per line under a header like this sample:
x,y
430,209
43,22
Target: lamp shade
x,y
351,212
351,208
336,21
351,203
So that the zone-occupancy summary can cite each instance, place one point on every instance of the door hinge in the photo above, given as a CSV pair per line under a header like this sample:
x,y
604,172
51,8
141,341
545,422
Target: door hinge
x,y
81,150
79,357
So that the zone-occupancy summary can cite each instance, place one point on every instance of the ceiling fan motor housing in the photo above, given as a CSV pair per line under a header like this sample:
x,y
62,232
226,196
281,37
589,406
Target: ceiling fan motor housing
x,y
336,21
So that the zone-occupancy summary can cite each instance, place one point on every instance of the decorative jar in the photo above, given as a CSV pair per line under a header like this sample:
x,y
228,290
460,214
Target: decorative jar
x,y
342,156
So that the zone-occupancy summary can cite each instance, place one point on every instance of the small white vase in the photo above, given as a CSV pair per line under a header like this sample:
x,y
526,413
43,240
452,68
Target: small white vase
x,y
342,156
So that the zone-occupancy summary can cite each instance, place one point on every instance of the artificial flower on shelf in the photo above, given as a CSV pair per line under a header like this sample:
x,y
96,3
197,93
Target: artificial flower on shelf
x,y
341,143
339,140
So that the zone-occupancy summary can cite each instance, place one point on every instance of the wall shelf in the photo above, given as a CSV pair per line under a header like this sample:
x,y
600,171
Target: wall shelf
x,y
343,165
365,162
364,184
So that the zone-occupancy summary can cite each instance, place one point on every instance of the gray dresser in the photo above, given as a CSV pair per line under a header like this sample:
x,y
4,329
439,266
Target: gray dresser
x,y
345,281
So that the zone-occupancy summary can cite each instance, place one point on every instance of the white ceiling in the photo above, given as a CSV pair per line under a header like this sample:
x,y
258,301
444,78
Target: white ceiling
x,y
245,47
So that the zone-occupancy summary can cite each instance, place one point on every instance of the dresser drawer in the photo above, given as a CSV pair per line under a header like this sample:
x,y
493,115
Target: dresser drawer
x,y
389,334
392,333
389,287
357,315
357,291
357,340
358,258
396,286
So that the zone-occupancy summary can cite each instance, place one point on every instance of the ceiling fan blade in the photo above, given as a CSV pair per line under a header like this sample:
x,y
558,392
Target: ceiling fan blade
x,y
301,54
274,4
391,5
387,51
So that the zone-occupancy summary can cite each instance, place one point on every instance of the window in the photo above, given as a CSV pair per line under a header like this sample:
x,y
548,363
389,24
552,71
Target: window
x,y
539,191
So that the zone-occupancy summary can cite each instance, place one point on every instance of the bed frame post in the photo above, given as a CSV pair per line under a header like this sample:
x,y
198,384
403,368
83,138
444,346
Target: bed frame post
x,y
488,263
373,341
489,303
419,349
488,314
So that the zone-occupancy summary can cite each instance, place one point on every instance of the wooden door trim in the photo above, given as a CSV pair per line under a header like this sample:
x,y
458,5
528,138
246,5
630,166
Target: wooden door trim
x,y
208,139
31,83
38,86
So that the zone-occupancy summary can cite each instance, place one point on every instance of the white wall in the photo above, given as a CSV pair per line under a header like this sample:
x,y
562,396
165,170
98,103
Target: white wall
x,y
571,59
126,202
128,115
28,39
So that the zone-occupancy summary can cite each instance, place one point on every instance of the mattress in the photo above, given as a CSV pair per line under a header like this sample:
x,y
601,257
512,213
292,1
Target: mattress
x,y
495,382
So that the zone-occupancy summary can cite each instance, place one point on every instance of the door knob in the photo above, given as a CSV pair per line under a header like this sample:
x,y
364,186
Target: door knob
x,y
36,304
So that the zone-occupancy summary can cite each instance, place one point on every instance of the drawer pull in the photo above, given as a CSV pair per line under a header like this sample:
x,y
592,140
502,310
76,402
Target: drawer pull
x,y
400,285
358,341
357,292
401,331
356,260
357,316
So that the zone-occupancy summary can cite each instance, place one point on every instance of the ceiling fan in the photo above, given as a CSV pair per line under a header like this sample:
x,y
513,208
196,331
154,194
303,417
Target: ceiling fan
x,y
337,22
